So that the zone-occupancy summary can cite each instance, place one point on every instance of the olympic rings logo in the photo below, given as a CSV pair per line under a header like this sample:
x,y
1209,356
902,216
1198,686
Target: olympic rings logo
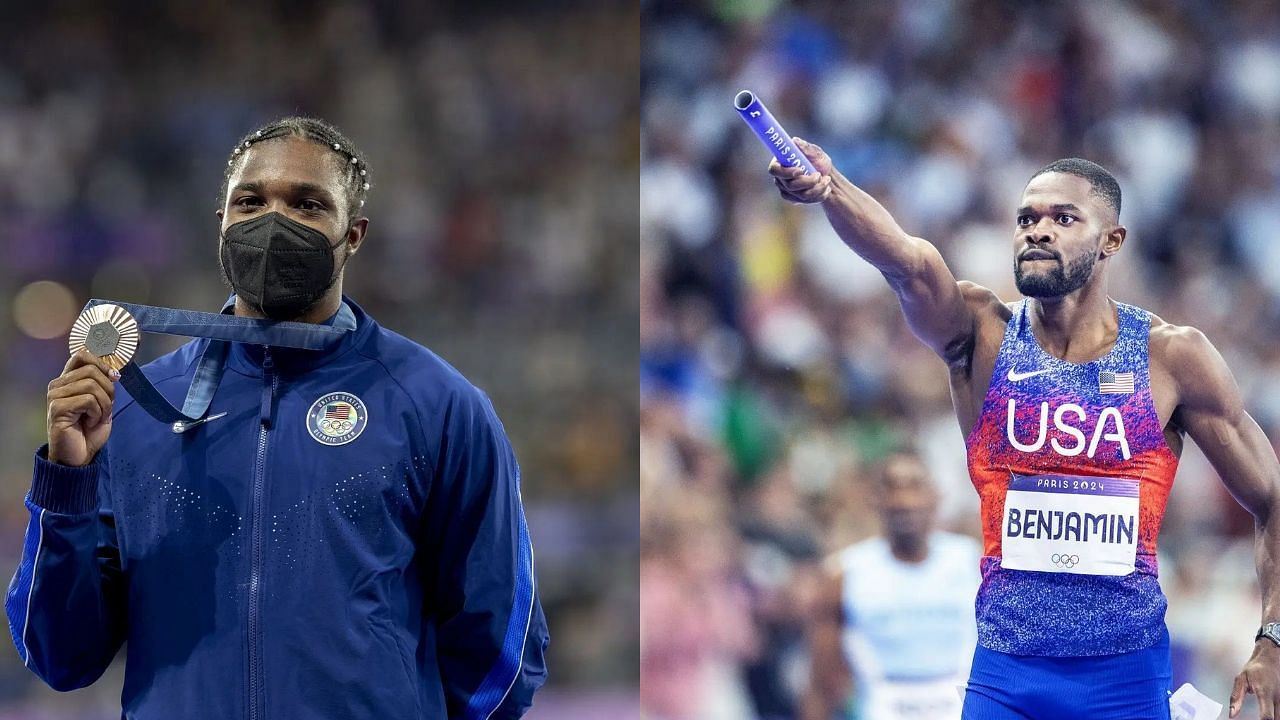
x,y
336,418
1064,560
336,427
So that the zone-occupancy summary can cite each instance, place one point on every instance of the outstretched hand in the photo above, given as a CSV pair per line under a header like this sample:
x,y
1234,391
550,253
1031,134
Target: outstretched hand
x,y
798,187
1261,677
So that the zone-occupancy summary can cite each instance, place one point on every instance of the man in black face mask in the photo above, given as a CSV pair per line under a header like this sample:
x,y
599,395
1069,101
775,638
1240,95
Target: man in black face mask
x,y
341,535
278,266
289,226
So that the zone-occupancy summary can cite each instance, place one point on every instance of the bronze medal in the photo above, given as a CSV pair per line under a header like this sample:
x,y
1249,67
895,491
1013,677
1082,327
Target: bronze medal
x,y
108,331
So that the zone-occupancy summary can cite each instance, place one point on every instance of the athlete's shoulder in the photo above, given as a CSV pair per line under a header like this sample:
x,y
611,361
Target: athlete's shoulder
x,y
991,317
848,562
1189,359
983,301
428,379
407,358
1180,348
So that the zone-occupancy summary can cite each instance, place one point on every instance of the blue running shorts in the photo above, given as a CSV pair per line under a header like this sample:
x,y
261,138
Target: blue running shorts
x,y
1127,686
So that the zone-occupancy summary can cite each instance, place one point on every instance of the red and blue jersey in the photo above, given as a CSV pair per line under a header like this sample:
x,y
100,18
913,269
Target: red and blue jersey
x,y
1072,468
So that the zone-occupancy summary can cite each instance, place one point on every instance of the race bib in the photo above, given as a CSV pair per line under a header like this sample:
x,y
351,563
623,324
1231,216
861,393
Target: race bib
x,y
1070,524
929,700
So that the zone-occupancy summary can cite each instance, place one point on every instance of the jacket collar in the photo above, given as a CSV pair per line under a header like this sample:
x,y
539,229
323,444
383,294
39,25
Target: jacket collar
x,y
247,359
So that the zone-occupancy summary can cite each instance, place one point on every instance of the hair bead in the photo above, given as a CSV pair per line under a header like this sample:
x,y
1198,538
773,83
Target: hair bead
x,y
356,185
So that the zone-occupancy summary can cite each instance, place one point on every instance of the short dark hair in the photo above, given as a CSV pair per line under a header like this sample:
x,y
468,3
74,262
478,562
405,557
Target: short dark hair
x,y
1100,179
356,179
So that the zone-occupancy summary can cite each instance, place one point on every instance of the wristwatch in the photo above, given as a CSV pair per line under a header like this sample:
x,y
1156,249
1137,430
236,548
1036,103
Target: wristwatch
x,y
1270,631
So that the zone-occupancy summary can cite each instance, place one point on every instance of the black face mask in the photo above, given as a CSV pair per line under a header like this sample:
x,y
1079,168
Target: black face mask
x,y
278,266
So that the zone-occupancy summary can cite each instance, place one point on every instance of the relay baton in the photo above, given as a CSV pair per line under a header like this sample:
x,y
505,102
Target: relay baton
x,y
770,132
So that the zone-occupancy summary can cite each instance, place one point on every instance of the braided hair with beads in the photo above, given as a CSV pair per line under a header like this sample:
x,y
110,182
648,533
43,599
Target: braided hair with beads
x,y
356,177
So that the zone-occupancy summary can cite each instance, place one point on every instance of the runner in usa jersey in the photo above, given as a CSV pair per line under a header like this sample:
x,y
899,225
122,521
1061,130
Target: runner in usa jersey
x,y
1073,471
1075,407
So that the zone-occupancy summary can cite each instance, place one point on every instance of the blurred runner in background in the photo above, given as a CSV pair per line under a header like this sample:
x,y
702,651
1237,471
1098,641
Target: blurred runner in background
x,y
896,615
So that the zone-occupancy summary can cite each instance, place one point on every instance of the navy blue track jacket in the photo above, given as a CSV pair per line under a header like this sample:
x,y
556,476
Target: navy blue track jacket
x,y
347,541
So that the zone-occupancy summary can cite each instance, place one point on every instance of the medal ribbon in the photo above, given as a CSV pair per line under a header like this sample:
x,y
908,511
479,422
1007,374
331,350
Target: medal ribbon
x,y
220,329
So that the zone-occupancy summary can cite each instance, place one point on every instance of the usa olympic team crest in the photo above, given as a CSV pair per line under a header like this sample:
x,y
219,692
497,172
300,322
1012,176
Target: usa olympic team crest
x,y
337,418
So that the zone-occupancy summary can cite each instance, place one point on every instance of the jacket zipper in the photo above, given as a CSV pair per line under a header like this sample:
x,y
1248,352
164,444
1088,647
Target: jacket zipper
x,y
255,558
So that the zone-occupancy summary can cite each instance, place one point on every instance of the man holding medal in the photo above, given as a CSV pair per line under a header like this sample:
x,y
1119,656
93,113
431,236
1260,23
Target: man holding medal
x,y
1074,407
330,527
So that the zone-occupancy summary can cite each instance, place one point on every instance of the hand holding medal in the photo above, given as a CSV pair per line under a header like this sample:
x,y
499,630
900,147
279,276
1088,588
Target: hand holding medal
x,y
79,402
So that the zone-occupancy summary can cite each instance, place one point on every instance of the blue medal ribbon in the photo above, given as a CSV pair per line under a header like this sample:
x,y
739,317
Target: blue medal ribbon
x,y
220,329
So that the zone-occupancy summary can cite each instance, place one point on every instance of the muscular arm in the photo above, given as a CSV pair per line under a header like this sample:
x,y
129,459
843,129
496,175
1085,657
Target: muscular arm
x,y
1211,410
931,300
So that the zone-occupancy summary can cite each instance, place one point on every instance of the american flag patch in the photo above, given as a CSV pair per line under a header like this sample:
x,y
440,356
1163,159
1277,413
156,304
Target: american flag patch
x,y
1115,383
342,411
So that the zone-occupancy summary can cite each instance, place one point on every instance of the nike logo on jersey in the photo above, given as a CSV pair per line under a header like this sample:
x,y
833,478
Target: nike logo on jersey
x,y
181,427
1015,376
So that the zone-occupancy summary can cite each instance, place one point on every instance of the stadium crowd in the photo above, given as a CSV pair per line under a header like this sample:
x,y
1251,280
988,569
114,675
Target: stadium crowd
x,y
775,366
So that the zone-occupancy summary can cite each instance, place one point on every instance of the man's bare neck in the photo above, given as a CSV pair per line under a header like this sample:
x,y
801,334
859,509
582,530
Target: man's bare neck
x,y
1075,327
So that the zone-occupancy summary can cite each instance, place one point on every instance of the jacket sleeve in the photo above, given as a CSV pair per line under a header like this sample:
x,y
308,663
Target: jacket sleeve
x,y
66,599
491,633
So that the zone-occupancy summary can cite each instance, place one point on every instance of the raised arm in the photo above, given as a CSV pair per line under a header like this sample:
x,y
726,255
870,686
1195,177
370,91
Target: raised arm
x,y
1211,410
931,300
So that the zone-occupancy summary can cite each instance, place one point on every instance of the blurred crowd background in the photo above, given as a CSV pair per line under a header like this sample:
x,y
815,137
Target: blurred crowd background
x,y
775,366
502,149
